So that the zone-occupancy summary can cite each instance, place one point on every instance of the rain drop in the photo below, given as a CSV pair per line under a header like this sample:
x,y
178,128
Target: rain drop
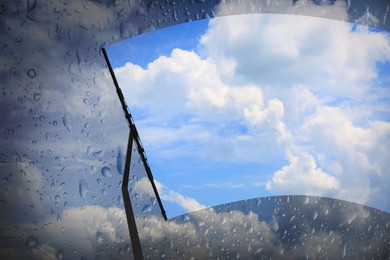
x,y
83,188
12,71
315,215
351,217
23,173
31,73
146,209
97,153
344,250
31,241
37,96
19,39
66,123
106,171
58,27
99,237
60,254
120,159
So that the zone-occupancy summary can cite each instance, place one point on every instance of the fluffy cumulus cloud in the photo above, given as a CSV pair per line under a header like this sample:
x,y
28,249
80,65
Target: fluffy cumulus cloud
x,y
189,204
304,88
302,172
145,192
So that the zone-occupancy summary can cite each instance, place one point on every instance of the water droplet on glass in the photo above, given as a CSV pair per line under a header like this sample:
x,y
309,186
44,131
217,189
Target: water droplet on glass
x,y
315,215
60,254
146,209
99,237
66,204
83,188
41,118
12,71
141,11
58,27
66,123
23,173
351,216
57,198
344,250
19,39
99,181
120,199
37,96
31,241
32,73
120,159
106,171
97,153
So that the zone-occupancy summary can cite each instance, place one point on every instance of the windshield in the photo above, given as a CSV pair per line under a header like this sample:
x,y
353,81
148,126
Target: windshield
x,y
302,110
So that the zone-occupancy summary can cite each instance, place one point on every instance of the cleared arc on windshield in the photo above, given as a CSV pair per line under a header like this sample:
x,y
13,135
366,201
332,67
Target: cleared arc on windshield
x,y
239,111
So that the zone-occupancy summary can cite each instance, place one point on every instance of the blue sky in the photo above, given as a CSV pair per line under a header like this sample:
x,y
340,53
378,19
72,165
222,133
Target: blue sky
x,y
257,105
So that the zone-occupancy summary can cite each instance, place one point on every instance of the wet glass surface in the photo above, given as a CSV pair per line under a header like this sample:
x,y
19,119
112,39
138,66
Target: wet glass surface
x,y
63,132
282,227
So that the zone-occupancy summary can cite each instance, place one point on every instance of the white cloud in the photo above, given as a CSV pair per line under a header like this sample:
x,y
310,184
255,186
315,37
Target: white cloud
x,y
187,203
359,153
306,64
184,99
288,50
304,175
268,86
144,192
